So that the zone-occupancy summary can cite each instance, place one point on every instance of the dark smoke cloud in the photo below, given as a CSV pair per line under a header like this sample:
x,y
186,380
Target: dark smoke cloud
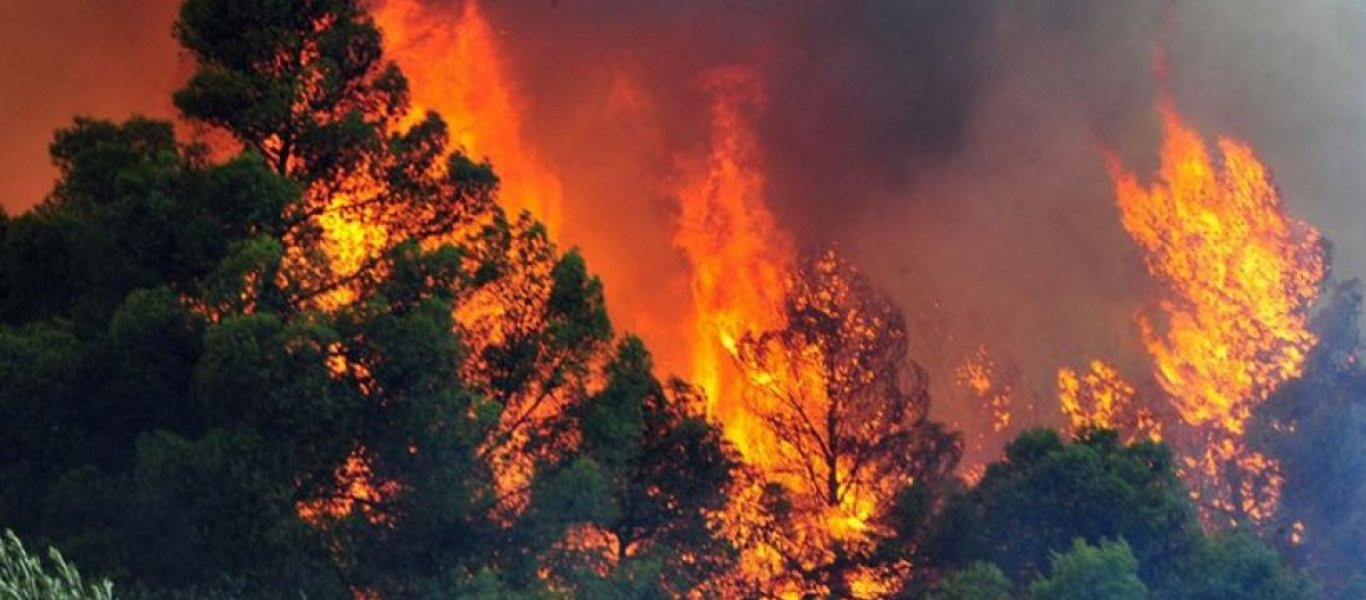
x,y
954,147
858,92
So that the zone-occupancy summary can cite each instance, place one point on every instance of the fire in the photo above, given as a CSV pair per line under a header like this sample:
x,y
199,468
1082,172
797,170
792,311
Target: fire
x,y
980,375
1102,398
356,494
454,67
759,380
739,258
1238,277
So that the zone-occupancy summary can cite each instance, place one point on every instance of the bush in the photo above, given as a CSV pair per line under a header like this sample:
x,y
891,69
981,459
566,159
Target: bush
x,y
25,577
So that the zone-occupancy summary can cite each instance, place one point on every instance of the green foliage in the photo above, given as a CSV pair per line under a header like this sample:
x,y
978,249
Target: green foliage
x,y
1235,566
132,209
25,577
303,84
1047,492
977,581
40,365
647,470
193,495
1108,571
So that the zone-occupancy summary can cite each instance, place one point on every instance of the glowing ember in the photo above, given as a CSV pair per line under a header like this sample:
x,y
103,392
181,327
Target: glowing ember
x,y
979,375
356,494
1239,276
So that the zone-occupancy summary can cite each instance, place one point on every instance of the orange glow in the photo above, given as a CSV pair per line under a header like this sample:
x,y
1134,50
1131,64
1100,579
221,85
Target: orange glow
x,y
349,239
742,270
454,67
356,494
980,376
739,265
1238,276
1102,398
739,258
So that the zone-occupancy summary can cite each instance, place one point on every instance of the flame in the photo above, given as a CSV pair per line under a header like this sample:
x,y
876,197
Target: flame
x,y
1238,278
980,376
742,269
740,260
1102,398
356,494
455,67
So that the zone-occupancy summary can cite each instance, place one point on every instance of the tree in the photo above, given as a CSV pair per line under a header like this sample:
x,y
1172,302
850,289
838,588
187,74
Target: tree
x,y
305,85
312,93
1047,492
848,415
183,396
132,209
308,89
134,229
441,408
1315,427
1235,566
977,581
537,333
1105,572
634,497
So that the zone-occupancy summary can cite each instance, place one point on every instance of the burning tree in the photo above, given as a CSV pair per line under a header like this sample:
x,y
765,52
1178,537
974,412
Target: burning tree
x,y
847,415
306,87
1238,277
317,350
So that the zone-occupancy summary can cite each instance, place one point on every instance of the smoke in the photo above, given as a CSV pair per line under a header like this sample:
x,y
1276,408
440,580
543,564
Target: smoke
x,y
950,146
62,58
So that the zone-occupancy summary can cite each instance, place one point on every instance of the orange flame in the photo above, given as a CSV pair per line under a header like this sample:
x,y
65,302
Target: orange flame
x,y
739,258
741,269
454,67
357,494
1239,276
1102,398
978,375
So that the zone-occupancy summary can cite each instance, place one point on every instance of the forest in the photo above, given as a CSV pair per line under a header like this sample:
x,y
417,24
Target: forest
x,y
318,358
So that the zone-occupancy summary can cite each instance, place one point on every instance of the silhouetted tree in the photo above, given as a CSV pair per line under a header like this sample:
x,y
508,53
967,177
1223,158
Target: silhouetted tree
x,y
1315,427
629,507
1235,566
849,418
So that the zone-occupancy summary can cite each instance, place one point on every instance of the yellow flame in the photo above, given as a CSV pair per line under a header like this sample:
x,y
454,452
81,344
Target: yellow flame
x,y
739,258
1102,398
1238,277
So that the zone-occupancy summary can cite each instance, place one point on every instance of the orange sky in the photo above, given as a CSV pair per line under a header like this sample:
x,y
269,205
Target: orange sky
x,y
59,58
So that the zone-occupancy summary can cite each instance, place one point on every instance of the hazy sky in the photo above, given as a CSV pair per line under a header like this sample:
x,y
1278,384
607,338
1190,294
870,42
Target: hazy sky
x,y
60,58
